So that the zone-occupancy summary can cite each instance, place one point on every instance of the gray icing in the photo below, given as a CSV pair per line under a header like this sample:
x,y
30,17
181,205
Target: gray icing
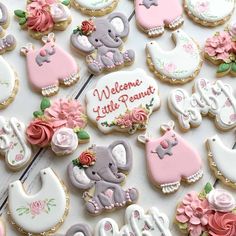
x,y
105,178
105,42
45,56
8,42
149,3
4,11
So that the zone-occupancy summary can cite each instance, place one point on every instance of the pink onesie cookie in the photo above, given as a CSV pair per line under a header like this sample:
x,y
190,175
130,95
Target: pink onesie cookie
x,y
153,15
171,159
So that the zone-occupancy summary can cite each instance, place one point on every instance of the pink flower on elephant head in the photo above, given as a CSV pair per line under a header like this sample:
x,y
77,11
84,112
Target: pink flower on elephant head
x,y
37,207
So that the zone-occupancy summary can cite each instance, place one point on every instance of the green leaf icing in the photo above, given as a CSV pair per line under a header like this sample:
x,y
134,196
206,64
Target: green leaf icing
x,y
233,67
22,21
38,114
66,2
208,188
183,226
45,104
224,67
83,135
20,13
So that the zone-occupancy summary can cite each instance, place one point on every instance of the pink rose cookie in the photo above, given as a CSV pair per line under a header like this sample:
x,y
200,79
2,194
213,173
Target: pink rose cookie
x,y
44,16
50,66
60,125
98,171
153,16
171,159
221,51
123,101
2,228
41,213
212,212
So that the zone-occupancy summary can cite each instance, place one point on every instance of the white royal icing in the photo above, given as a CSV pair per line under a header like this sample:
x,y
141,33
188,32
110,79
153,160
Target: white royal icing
x,y
119,92
214,98
119,153
94,4
13,144
210,10
59,12
168,63
40,212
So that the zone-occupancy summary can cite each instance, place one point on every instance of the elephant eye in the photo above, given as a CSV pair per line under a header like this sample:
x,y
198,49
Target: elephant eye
x,y
96,40
110,164
93,172
109,31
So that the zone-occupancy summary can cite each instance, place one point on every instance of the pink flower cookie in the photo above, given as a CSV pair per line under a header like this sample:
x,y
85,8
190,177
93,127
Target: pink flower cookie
x,y
50,66
171,159
43,16
153,15
212,212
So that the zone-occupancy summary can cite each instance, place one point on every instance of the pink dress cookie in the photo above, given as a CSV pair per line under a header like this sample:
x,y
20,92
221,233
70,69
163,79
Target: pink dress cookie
x,y
153,15
170,158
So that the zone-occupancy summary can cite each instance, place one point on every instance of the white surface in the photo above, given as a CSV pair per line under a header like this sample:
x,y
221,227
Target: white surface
x,y
27,101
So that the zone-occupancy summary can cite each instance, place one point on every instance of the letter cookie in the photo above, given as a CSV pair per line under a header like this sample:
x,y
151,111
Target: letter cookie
x,y
167,66
101,41
209,12
95,7
50,66
13,143
212,212
171,159
41,213
98,172
153,16
123,101
213,98
43,17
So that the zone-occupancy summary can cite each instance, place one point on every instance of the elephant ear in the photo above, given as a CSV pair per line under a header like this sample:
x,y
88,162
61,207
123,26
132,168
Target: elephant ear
x,y
79,230
120,22
107,227
78,177
122,154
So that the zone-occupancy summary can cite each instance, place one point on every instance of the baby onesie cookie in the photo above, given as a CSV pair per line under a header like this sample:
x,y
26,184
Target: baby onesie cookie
x,y
167,66
152,16
2,228
99,172
95,7
123,101
60,124
50,66
221,50
211,212
44,16
221,160
209,12
13,143
215,99
101,41
41,213
171,159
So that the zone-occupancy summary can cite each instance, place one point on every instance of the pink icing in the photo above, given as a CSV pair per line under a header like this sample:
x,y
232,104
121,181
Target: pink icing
x,y
138,115
2,229
166,12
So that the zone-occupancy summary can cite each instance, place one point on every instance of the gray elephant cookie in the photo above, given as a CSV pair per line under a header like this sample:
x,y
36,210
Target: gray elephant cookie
x,y
100,39
98,171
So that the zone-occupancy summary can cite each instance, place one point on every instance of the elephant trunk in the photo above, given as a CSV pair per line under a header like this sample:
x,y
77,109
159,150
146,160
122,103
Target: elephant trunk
x,y
111,42
107,175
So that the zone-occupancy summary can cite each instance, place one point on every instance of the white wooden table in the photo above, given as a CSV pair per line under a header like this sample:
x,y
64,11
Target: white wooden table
x,y
27,101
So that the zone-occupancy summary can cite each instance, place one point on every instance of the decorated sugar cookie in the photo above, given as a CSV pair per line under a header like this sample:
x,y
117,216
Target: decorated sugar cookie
x,y
42,17
215,99
221,159
59,124
98,171
171,159
95,7
101,40
4,19
50,66
13,144
211,212
167,66
153,16
41,213
221,51
209,12
123,101
2,228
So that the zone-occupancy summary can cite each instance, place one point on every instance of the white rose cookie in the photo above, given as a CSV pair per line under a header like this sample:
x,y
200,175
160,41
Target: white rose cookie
x,y
209,12
167,66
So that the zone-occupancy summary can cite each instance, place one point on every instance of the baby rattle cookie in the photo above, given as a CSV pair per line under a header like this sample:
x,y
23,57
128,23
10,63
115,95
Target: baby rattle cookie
x,y
167,66
215,99
2,228
59,124
209,12
152,16
98,171
171,159
123,101
211,212
41,213
101,41
95,7
43,17
50,66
